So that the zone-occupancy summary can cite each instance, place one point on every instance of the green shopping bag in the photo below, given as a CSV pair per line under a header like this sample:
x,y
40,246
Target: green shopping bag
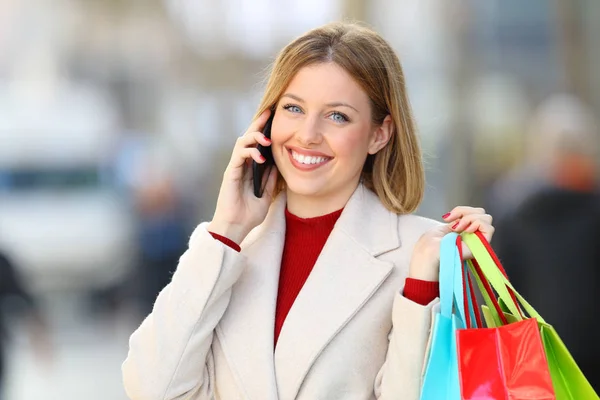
x,y
568,380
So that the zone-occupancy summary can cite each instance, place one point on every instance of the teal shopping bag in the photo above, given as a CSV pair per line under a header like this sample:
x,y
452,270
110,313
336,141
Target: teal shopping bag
x,y
441,381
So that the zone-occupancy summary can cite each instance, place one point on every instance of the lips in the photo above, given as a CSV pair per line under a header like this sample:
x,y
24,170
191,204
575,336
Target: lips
x,y
307,161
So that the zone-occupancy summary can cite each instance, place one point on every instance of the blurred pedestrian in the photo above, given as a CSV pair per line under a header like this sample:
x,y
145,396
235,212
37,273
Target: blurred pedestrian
x,y
17,302
161,232
550,242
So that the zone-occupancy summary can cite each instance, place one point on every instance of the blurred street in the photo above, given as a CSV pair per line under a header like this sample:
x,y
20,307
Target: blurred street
x,y
88,353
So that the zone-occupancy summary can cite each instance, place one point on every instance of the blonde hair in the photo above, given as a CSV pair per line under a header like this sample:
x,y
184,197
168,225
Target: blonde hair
x,y
395,173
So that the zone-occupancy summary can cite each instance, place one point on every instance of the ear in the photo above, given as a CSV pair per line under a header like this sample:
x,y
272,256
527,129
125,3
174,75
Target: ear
x,y
381,135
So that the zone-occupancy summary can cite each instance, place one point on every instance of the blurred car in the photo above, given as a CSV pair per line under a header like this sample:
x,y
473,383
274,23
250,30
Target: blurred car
x,y
66,227
62,217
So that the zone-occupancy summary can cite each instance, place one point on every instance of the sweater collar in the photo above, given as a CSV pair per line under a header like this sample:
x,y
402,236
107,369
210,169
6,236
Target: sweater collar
x,y
322,221
364,219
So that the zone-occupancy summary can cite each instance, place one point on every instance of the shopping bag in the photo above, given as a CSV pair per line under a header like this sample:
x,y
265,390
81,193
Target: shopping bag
x,y
568,380
440,381
503,362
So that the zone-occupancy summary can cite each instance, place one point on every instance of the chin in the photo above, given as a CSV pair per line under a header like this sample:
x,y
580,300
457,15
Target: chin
x,y
306,188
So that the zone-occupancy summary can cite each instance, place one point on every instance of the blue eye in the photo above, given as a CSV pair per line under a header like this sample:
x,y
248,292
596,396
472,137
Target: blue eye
x,y
292,108
339,117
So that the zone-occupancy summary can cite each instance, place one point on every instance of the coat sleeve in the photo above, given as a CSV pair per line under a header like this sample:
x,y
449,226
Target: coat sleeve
x,y
401,374
170,353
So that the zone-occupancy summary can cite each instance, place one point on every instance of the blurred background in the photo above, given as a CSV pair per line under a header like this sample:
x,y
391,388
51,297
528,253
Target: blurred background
x,y
117,118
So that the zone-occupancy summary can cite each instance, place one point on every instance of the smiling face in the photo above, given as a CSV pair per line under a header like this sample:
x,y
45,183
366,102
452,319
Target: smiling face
x,y
322,134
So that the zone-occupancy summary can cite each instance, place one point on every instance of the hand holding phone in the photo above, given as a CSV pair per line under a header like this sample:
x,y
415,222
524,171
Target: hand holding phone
x,y
238,209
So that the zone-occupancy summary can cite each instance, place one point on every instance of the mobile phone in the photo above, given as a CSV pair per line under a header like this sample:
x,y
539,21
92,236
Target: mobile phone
x,y
259,170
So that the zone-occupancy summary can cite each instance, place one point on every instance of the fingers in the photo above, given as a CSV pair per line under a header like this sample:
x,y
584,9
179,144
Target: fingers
x,y
477,225
258,124
245,154
245,149
470,219
250,139
461,211
485,228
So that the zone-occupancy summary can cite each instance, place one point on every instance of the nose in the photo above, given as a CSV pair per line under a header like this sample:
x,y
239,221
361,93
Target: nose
x,y
309,132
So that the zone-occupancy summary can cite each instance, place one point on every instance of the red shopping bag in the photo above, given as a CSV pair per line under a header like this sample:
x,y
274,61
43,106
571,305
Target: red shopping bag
x,y
506,362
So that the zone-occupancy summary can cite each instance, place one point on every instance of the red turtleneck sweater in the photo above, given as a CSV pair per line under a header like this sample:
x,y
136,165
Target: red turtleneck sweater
x,y
304,240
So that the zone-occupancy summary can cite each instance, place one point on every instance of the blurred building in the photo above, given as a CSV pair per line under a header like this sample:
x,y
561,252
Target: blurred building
x,y
191,71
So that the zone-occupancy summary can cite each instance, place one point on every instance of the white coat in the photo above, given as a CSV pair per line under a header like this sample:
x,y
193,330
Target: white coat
x,y
349,335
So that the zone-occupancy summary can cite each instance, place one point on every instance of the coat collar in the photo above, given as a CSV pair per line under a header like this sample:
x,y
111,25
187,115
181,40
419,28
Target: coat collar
x,y
346,274
366,221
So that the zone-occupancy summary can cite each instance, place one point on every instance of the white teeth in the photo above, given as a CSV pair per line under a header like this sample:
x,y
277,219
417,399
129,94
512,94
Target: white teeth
x,y
303,159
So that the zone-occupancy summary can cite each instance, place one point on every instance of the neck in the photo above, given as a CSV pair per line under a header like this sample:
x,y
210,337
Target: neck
x,y
314,206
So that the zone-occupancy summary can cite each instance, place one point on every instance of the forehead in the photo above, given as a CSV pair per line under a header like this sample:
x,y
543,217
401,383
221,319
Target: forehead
x,y
327,82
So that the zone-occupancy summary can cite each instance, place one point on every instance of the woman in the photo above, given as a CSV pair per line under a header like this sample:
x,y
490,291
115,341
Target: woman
x,y
301,294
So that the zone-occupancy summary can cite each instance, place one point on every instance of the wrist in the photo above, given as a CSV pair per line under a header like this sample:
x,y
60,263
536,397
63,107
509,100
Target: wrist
x,y
423,274
232,232
423,266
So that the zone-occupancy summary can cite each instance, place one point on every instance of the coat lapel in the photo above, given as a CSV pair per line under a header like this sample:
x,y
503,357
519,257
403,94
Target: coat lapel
x,y
246,330
346,274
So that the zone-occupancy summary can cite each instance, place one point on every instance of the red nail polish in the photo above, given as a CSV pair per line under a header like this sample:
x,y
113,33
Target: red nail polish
x,y
268,140
445,215
455,225
262,158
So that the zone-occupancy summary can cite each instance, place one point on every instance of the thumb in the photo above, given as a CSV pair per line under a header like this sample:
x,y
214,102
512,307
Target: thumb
x,y
446,229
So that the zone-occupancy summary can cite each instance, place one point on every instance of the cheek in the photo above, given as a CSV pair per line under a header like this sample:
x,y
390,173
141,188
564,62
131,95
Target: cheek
x,y
281,130
352,143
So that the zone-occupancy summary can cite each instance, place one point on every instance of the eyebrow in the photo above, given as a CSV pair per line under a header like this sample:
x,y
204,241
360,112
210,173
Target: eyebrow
x,y
334,104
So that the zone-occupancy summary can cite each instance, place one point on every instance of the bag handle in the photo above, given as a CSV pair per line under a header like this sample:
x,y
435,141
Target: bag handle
x,y
474,306
485,289
498,264
468,300
488,294
451,280
486,268
473,298
492,271
447,266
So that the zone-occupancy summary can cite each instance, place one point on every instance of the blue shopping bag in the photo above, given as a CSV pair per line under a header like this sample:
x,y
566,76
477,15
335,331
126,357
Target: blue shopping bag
x,y
441,380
